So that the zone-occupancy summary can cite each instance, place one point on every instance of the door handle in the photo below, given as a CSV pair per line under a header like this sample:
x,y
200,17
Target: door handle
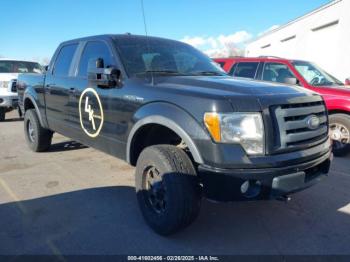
x,y
72,90
48,88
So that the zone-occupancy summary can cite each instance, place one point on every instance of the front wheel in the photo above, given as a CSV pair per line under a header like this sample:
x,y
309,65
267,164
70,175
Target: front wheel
x,y
2,114
37,137
167,187
339,127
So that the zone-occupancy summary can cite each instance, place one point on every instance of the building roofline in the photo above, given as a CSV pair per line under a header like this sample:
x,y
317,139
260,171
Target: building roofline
x,y
319,9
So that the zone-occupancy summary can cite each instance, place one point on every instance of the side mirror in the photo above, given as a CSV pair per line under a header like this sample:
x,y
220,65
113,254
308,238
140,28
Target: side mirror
x,y
101,76
347,81
291,81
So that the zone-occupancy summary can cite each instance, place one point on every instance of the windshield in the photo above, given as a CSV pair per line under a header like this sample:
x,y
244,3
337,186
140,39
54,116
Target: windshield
x,y
314,75
141,56
19,67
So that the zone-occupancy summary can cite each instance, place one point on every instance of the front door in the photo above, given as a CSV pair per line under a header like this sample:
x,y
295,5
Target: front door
x,y
93,108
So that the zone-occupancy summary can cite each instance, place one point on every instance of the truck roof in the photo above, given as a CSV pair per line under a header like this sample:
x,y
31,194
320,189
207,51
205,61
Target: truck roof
x,y
116,36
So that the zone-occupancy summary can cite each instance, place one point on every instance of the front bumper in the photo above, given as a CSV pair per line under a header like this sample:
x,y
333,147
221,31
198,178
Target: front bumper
x,y
263,183
9,100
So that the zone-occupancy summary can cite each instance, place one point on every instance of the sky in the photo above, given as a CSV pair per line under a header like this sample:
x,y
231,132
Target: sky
x,y
33,29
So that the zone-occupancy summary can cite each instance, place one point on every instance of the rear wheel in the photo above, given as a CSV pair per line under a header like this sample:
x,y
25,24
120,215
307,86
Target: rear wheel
x,y
2,113
339,126
37,137
167,187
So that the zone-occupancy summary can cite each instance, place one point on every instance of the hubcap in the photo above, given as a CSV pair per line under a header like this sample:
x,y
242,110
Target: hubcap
x,y
31,132
340,135
155,189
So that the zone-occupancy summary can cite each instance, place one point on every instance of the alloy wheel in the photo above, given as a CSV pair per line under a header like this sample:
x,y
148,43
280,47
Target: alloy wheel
x,y
340,135
155,189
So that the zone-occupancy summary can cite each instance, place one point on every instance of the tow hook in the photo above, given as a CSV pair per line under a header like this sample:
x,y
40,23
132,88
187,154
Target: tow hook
x,y
285,198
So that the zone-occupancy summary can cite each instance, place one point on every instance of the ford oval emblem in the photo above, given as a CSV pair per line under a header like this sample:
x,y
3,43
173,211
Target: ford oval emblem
x,y
312,122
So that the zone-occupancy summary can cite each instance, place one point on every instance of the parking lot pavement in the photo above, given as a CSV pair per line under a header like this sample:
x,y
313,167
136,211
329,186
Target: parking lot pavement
x,y
76,200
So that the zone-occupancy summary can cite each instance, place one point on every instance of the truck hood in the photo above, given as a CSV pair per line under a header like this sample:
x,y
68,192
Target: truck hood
x,y
8,76
223,85
243,95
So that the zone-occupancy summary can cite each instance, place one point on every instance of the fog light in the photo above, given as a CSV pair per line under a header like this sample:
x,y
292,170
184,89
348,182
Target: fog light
x,y
251,188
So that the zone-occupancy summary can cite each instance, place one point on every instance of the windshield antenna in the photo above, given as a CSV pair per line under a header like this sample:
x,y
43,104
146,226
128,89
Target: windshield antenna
x,y
144,17
145,26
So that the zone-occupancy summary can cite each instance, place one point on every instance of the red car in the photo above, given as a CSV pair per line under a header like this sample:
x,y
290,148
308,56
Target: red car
x,y
305,74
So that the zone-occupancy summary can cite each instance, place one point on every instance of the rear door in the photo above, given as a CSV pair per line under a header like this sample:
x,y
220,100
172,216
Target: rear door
x,y
58,83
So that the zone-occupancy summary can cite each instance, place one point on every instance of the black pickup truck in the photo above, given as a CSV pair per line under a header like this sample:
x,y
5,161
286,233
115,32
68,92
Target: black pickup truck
x,y
189,129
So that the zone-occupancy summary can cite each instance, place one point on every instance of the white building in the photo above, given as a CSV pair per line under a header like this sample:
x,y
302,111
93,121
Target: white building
x,y
321,36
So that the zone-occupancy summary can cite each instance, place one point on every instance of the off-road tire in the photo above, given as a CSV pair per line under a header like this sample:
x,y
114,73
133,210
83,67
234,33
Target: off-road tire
x,y
345,121
182,190
40,141
2,114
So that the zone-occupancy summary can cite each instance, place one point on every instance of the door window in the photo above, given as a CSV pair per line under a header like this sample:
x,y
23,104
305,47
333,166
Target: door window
x,y
246,69
64,60
276,72
94,50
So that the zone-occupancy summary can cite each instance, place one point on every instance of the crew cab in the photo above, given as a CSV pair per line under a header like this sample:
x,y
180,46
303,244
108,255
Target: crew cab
x,y
190,130
305,74
9,70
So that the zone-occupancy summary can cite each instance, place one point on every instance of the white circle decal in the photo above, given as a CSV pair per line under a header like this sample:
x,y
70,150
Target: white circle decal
x,y
90,112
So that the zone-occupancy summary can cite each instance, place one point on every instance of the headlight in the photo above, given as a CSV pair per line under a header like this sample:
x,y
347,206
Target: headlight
x,y
4,84
246,129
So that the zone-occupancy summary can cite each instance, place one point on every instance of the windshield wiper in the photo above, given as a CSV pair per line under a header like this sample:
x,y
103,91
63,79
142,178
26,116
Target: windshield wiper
x,y
162,72
208,73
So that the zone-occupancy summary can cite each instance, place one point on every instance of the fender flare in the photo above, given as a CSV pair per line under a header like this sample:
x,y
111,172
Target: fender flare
x,y
174,118
28,96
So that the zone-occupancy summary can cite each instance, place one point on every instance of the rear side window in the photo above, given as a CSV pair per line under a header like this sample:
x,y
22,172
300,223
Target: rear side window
x,y
94,50
246,69
64,60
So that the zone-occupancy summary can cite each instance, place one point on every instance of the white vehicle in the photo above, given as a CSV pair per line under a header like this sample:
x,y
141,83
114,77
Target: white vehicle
x,y
9,70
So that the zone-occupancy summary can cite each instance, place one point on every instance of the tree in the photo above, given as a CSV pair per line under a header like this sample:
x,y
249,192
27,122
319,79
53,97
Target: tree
x,y
233,50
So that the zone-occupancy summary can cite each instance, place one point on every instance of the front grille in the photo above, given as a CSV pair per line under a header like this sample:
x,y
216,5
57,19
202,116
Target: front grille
x,y
14,86
294,129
